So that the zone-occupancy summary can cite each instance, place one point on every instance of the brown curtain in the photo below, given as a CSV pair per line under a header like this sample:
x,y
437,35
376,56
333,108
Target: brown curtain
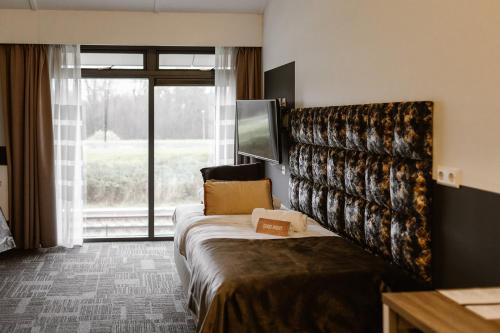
x,y
26,107
248,83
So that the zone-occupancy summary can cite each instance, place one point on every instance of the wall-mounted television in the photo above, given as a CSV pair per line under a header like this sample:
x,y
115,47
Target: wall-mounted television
x,y
257,124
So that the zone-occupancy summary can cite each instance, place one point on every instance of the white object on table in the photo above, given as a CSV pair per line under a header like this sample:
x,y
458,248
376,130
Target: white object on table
x,y
473,295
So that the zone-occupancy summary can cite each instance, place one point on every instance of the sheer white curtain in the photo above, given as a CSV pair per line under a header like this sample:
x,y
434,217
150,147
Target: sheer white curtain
x,y
65,74
225,104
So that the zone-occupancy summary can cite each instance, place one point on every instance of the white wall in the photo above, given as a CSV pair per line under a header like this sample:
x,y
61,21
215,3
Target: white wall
x,y
362,51
130,28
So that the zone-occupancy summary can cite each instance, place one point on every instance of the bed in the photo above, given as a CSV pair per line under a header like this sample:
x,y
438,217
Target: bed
x,y
192,228
362,173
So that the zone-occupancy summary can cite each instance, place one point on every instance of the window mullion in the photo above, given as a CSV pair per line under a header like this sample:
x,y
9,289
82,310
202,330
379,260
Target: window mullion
x,y
151,60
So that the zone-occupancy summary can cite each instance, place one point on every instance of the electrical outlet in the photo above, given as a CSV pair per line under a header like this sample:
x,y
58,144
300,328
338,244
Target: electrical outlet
x,y
283,170
449,176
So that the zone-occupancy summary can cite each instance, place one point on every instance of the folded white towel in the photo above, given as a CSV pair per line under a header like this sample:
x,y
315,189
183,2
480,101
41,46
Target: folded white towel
x,y
298,221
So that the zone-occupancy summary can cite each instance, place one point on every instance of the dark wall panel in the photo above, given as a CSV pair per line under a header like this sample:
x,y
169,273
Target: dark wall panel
x,y
466,237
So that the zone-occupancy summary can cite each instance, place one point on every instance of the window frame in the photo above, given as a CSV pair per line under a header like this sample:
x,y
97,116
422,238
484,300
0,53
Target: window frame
x,y
156,77
151,70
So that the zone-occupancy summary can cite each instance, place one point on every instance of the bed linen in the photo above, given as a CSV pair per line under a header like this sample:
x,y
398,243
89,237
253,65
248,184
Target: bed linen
x,y
312,284
192,227
241,281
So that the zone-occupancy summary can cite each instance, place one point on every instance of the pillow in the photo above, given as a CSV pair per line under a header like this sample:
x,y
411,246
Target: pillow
x,y
276,200
252,171
237,197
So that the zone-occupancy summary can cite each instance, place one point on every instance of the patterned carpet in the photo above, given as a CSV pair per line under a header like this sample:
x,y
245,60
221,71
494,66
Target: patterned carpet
x,y
100,287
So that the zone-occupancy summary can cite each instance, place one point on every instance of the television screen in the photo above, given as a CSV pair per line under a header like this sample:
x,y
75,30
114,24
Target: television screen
x,y
257,128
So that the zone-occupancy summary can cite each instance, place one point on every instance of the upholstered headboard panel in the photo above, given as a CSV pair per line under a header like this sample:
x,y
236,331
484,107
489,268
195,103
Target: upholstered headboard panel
x,y
364,171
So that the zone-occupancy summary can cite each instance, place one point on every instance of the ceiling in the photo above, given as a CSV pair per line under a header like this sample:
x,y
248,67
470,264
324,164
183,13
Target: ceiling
x,y
217,6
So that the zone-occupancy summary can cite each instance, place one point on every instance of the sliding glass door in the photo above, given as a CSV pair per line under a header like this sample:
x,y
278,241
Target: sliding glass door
x,y
184,143
149,127
115,157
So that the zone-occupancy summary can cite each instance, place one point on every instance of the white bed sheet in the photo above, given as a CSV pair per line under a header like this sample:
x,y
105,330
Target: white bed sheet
x,y
192,227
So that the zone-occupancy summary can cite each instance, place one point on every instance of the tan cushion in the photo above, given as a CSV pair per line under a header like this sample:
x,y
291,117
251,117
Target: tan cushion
x,y
237,197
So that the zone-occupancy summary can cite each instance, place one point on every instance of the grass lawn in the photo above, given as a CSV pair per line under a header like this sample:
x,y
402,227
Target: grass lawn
x,y
117,171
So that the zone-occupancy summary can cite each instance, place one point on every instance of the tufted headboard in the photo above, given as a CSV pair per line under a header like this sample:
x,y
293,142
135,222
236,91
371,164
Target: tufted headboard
x,y
364,171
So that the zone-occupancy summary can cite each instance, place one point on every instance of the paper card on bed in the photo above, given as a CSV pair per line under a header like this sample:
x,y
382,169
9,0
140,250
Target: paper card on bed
x,y
273,227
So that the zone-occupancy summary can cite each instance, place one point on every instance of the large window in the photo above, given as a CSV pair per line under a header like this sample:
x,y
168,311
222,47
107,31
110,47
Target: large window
x,y
102,61
184,143
187,61
149,120
115,155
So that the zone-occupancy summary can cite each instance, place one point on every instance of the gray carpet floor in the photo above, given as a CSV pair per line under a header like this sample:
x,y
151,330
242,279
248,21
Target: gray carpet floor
x,y
99,287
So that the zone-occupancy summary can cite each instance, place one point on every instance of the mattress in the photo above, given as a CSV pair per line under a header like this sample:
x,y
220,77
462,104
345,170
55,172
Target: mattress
x,y
192,227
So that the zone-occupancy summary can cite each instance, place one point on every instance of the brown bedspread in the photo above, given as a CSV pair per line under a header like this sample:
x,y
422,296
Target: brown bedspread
x,y
321,284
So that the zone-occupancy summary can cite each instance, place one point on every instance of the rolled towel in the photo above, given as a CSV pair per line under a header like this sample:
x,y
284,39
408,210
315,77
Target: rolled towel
x,y
298,221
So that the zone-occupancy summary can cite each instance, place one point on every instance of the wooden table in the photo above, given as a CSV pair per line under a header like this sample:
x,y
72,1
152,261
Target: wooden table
x,y
431,311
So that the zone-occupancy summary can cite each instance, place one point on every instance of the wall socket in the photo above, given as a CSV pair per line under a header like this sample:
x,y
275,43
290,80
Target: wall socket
x,y
283,170
449,176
